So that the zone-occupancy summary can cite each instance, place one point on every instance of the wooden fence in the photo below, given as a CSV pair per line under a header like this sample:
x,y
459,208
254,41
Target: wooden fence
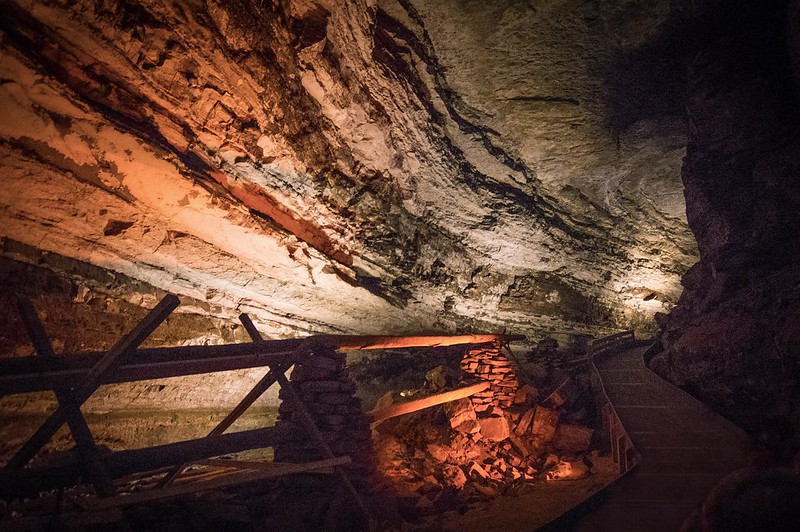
x,y
75,377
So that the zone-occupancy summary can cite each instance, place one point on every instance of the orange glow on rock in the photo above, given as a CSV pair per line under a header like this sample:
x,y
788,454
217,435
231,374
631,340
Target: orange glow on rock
x,y
258,199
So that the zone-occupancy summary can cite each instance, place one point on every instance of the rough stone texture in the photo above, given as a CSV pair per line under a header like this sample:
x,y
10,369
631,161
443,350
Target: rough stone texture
x,y
327,391
495,428
488,363
734,338
389,166
360,166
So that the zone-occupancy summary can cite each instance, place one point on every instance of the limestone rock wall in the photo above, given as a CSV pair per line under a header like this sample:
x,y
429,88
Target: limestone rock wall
x,y
734,338
358,166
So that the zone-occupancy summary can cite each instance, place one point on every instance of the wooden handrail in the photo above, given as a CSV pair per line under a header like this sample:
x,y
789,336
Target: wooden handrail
x,y
611,342
606,344
357,343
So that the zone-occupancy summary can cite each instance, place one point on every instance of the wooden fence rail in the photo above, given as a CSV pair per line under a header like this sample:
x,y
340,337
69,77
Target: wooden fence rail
x,y
32,374
611,343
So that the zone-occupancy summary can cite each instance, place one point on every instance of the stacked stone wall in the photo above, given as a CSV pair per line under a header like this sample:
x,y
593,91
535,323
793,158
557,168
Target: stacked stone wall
x,y
488,363
327,390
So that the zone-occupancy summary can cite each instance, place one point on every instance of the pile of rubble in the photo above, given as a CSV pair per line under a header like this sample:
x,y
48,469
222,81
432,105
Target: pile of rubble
x,y
499,441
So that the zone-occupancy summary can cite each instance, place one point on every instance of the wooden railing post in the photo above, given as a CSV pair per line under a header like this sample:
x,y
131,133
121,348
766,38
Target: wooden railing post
x,y
90,456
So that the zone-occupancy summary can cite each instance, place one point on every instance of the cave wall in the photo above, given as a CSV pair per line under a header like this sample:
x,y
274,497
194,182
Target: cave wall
x,y
734,337
361,166
390,166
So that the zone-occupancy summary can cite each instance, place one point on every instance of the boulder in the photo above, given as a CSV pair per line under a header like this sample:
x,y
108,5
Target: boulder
x,y
569,471
525,422
526,394
544,423
520,446
574,438
461,415
440,453
495,428
440,377
455,476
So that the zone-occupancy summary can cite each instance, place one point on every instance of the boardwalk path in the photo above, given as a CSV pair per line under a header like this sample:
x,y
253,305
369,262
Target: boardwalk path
x,y
685,450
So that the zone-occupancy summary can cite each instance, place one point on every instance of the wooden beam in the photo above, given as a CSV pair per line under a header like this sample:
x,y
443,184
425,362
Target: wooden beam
x,y
27,374
25,377
93,379
280,468
90,456
357,343
427,402
126,462
24,482
252,474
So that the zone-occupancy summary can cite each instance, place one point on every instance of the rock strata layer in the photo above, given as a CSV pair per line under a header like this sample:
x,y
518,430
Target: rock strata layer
x,y
360,166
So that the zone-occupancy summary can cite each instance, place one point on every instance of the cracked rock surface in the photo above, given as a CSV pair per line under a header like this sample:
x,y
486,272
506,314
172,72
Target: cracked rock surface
x,y
734,337
361,166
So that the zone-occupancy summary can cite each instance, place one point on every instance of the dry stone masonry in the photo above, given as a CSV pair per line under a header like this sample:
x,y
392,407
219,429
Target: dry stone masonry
x,y
488,363
327,391
499,441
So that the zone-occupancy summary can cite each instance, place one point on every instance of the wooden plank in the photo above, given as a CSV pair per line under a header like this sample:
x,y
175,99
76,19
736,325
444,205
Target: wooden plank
x,y
357,343
308,421
194,354
27,374
93,379
90,456
427,402
234,479
630,456
23,482
620,453
105,520
280,468
613,436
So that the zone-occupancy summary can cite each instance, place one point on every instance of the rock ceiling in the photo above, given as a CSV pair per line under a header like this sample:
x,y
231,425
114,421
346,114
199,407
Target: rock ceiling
x,y
359,166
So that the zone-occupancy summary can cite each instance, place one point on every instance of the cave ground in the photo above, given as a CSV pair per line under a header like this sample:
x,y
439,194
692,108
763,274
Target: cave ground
x,y
539,505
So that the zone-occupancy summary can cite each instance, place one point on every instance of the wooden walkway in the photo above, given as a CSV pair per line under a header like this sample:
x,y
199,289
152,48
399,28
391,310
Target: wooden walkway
x,y
684,447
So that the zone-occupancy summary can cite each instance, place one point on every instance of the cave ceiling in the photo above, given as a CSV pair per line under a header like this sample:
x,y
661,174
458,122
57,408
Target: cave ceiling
x,y
356,166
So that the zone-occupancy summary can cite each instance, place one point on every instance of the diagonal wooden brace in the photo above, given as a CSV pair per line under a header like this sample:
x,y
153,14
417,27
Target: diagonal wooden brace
x,y
307,420
257,391
87,449
93,380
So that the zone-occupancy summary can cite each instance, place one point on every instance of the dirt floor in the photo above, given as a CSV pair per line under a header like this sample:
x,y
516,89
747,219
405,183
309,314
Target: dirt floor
x,y
278,506
536,507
